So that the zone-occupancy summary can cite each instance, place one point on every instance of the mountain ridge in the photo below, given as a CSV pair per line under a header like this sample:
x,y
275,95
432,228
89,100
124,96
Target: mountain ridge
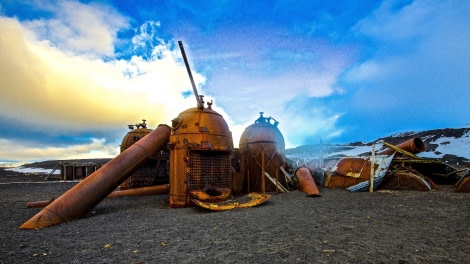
x,y
451,145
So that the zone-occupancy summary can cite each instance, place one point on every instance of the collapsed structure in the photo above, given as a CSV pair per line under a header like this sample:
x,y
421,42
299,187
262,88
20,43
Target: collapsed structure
x,y
394,168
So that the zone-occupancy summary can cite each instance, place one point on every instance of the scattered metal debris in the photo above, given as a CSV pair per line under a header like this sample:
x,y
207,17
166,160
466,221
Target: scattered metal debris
x,y
249,200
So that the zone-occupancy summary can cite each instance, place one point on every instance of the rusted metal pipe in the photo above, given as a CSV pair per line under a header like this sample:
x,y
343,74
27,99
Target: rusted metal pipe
x,y
81,198
142,191
306,182
39,204
414,146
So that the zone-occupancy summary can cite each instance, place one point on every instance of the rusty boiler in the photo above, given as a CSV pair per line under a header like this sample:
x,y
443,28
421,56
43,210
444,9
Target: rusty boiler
x,y
154,171
200,154
262,150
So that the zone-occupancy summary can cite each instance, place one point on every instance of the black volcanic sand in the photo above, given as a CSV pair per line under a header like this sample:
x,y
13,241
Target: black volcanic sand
x,y
339,227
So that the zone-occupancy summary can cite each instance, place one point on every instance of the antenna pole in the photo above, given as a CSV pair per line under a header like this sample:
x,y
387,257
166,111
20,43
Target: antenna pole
x,y
198,100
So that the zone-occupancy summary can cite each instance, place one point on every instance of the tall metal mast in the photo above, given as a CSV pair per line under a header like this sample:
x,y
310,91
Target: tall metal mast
x,y
200,103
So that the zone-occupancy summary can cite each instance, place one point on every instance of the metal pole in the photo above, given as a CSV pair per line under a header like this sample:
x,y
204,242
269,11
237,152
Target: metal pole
x,y
372,169
180,43
263,184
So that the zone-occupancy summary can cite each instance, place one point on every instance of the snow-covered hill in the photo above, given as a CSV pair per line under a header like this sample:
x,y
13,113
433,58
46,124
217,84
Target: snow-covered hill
x,y
451,145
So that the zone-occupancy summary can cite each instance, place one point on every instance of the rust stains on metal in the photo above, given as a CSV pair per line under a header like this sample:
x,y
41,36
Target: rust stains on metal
x,y
353,173
354,167
306,182
77,201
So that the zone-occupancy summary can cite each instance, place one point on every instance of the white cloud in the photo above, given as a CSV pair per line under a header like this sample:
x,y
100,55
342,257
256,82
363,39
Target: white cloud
x,y
22,151
392,23
48,88
53,86
80,28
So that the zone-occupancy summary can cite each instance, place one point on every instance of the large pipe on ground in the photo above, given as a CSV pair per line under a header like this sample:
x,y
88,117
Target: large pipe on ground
x,y
39,204
414,146
142,191
306,182
81,198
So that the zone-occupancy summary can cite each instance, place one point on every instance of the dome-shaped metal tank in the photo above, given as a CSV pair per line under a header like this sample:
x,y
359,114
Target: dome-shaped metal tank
x,y
154,171
200,153
137,132
262,149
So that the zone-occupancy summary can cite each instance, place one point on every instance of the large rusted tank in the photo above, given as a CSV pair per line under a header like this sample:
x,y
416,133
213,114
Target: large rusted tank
x,y
200,153
154,171
262,150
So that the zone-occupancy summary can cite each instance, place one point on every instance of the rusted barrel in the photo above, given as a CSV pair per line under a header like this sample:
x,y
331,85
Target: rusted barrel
x,y
414,146
306,182
77,201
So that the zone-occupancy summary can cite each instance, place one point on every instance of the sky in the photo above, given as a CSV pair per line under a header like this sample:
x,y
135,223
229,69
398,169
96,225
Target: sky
x,y
74,74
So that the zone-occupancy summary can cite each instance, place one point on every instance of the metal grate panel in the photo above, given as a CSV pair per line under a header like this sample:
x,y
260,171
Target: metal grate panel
x,y
209,168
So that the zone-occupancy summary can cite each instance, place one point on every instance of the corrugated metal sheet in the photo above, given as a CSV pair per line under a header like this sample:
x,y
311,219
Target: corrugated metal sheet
x,y
353,173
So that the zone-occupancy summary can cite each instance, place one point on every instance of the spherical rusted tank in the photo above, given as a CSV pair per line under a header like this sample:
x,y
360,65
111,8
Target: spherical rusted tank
x,y
262,149
200,153
154,171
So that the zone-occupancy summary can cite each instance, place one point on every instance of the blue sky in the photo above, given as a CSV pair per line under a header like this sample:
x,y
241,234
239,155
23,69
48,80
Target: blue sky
x,y
74,74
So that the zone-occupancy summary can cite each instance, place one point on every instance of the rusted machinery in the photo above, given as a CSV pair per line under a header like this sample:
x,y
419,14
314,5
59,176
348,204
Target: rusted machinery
x,y
77,201
154,171
409,171
200,154
262,150
402,171
200,151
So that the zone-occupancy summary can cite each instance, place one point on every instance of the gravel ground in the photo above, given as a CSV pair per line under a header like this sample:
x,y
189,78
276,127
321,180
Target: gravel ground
x,y
338,227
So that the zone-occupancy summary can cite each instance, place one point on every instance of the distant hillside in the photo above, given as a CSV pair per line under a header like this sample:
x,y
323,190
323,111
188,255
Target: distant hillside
x,y
451,145
51,164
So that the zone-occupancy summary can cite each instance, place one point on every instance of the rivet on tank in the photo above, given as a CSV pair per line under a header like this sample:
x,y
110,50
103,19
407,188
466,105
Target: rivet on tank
x,y
262,151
